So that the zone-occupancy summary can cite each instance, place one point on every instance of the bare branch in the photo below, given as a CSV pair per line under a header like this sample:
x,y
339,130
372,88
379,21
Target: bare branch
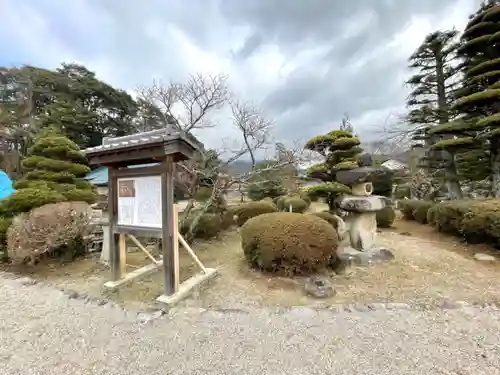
x,y
195,99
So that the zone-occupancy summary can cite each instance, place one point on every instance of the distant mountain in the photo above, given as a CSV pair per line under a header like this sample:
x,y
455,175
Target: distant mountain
x,y
239,167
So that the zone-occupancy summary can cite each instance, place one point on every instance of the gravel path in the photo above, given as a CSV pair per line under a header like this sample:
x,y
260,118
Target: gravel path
x,y
44,332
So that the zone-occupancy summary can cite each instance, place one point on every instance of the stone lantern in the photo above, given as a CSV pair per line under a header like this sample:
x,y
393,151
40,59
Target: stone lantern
x,y
361,205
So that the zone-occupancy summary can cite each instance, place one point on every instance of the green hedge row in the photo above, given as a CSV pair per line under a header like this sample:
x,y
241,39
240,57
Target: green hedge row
x,y
477,221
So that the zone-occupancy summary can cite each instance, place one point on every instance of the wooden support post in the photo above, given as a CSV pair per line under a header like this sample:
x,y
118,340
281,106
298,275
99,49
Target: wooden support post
x,y
114,243
175,222
122,247
167,237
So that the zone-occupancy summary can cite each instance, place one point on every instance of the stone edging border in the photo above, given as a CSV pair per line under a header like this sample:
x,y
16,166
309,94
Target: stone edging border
x,y
153,314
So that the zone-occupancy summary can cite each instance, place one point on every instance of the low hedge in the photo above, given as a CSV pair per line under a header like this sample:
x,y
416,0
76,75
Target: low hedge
x,y
415,209
246,211
474,220
477,221
385,217
289,243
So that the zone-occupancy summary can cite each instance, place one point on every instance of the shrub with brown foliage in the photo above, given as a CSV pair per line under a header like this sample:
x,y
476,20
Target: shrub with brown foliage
x,y
289,243
249,210
47,229
328,217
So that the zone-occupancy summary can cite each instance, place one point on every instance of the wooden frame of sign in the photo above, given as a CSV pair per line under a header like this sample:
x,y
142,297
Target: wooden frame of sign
x,y
159,150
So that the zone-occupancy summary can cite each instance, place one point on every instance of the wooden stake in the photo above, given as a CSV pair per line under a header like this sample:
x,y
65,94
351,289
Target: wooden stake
x,y
142,248
122,245
191,252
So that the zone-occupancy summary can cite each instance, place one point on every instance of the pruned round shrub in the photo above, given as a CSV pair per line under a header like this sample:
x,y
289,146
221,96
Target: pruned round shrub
x,y
209,224
385,217
296,203
328,217
48,228
289,243
249,210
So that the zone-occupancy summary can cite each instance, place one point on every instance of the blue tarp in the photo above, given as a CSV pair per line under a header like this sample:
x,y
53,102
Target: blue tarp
x,y
6,188
99,176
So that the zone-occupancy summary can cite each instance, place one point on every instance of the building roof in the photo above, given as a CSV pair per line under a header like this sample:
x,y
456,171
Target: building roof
x,y
143,139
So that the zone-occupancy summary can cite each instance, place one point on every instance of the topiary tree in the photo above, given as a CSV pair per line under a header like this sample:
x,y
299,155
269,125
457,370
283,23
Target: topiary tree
x,y
53,172
266,189
433,88
339,148
476,132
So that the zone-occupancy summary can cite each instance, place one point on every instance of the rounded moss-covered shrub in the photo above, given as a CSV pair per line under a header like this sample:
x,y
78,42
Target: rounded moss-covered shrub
x,y
25,199
385,217
246,211
209,224
328,217
289,243
268,200
296,203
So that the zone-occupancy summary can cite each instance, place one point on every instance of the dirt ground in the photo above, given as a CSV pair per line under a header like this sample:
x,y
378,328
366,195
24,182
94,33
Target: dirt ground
x,y
429,267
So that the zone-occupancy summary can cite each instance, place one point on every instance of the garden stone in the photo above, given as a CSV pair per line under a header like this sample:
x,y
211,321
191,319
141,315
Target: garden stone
x,y
362,204
363,231
350,256
319,287
148,316
365,160
484,257
356,176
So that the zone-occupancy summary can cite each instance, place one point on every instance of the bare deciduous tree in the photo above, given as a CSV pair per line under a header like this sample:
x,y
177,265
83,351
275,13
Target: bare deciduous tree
x,y
197,98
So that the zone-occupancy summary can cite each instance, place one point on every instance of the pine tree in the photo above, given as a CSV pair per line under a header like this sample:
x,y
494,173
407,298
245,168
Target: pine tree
x,y
53,172
433,88
476,132
339,148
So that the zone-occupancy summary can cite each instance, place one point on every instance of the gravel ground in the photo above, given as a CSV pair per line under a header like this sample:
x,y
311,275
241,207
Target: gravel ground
x,y
42,331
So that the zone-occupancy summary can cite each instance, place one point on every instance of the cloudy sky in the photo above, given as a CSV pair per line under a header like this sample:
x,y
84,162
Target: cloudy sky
x,y
306,62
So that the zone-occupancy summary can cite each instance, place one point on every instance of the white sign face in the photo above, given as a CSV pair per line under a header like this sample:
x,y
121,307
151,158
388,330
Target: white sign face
x,y
139,201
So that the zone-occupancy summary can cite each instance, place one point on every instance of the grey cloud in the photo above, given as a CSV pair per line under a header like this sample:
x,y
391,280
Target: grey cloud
x,y
307,103
252,43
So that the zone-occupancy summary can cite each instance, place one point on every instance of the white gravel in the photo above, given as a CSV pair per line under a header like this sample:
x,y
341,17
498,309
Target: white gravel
x,y
44,332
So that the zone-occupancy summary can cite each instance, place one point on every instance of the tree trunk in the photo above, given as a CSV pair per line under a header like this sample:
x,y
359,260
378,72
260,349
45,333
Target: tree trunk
x,y
495,171
451,178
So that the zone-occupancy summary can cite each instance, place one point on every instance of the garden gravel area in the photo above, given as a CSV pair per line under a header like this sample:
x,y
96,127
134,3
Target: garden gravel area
x,y
45,331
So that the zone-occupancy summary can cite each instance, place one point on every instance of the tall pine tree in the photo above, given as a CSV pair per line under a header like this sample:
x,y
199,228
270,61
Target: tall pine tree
x,y
433,88
476,132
